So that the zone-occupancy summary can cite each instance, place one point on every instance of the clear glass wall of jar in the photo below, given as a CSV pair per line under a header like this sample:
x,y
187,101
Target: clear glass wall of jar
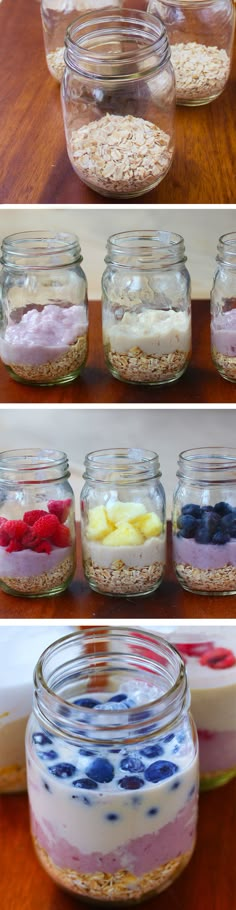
x,y
118,99
57,15
146,307
44,319
204,521
223,308
37,526
123,521
201,39
112,765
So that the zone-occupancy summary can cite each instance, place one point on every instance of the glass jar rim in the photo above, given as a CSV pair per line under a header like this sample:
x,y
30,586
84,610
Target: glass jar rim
x,y
124,465
160,248
226,249
32,465
29,248
211,464
122,23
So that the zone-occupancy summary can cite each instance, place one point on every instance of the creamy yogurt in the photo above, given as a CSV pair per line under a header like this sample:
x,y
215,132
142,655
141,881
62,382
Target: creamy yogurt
x,y
44,335
223,333
155,332
151,551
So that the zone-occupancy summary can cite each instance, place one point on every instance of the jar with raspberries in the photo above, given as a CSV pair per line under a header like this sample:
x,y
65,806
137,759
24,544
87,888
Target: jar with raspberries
x,y
37,523
204,521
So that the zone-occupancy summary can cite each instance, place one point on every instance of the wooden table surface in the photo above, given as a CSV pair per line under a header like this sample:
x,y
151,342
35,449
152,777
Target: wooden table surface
x,y
200,383
170,601
208,883
34,165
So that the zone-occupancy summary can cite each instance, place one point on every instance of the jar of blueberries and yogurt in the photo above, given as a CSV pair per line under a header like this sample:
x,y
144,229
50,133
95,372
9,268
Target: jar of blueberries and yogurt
x,y
112,762
43,315
204,520
146,295
56,16
123,521
37,524
223,308
201,40
118,100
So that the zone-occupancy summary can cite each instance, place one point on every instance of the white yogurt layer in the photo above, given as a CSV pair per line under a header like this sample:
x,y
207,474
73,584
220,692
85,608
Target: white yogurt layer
x,y
28,563
43,335
155,332
149,552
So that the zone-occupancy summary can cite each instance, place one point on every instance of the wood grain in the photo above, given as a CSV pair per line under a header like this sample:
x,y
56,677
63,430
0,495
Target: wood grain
x,y
200,383
33,159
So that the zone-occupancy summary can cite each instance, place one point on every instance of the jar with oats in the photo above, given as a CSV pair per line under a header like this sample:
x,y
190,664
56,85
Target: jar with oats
x,y
146,307
201,40
56,16
123,522
118,99
223,308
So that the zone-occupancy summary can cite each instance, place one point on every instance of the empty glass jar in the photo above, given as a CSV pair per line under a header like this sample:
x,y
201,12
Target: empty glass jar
x,y
223,308
57,15
118,98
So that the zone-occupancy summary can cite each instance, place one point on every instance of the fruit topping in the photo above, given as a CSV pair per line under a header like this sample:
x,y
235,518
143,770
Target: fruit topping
x,y
132,763
122,524
86,702
84,783
207,524
152,751
222,508
60,508
159,770
15,529
191,509
46,526
187,524
220,537
218,658
43,547
14,546
62,537
40,739
124,536
101,770
120,512
33,516
131,783
64,769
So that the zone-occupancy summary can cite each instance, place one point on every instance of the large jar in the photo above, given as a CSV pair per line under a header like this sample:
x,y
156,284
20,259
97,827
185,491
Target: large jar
x,y
118,98
223,308
112,765
123,523
204,521
57,15
37,527
43,320
146,307
201,39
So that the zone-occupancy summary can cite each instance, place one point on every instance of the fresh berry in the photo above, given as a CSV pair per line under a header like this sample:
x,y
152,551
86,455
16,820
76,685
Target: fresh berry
x,y
218,658
14,546
203,535
222,508
50,755
193,649
60,508
33,516
120,697
191,509
40,739
168,738
101,770
86,702
2,521
210,521
187,525
4,539
64,769
29,541
220,537
131,783
86,752
206,509
152,751
62,537
43,547
159,770
46,526
85,783
15,529
132,763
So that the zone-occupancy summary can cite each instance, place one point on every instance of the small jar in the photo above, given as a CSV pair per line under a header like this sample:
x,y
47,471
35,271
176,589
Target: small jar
x,y
118,99
44,320
204,521
112,765
123,522
37,526
223,308
201,39
56,16
146,307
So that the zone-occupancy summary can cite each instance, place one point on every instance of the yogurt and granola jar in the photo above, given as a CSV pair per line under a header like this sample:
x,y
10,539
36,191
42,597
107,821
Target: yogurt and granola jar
x,y
204,521
118,99
223,308
37,525
44,319
201,40
146,307
123,522
112,765
56,16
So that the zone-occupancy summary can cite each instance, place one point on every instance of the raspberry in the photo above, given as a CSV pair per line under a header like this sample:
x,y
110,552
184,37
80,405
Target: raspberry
x,y
14,546
46,526
30,540
60,508
43,547
2,521
4,539
62,537
194,649
218,658
15,529
33,516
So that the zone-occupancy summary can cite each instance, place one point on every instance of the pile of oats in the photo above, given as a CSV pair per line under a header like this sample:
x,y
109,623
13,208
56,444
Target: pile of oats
x,y
135,366
226,365
42,584
56,63
120,579
201,72
59,370
121,155
212,581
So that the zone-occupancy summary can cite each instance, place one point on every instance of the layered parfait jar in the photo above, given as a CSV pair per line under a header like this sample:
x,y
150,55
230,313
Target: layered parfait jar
x,y
123,521
56,16
43,318
112,765
204,521
146,297
37,524
223,308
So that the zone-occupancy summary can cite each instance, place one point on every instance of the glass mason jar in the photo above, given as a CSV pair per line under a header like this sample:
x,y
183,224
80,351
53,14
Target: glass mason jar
x,y
204,521
118,99
123,521
112,765
223,308
37,526
56,16
146,307
201,39
44,320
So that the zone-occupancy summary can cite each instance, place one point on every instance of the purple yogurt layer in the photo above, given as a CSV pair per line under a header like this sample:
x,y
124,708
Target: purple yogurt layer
x,y
203,555
138,856
217,751
28,563
223,333
43,335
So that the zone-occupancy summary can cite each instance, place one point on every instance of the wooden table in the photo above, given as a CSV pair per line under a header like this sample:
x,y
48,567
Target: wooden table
x,y
34,165
170,601
208,883
200,383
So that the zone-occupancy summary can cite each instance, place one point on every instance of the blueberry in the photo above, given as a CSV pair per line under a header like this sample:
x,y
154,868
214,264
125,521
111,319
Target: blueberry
x,y
50,755
191,509
152,751
203,535
222,508
131,783
114,751
206,509
101,770
187,525
112,817
41,739
62,770
120,697
168,737
153,811
132,763
86,702
84,783
175,785
211,522
220,537
159,770
86,752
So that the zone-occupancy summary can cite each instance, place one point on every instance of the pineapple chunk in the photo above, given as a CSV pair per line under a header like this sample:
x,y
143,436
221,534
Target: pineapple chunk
x,y
120,512
98,524
149,525
124,536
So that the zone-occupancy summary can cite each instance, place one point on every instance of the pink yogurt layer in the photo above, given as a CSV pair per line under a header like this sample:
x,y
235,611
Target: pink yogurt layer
x,y
27,563
203,555
139,856
223,333
217,751
43,335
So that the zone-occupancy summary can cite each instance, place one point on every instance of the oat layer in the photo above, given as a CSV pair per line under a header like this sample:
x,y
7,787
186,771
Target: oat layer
x,y
120,579
13,779
119,887
214,581
61,370
201,72
139,367
38,585
56,63
226,365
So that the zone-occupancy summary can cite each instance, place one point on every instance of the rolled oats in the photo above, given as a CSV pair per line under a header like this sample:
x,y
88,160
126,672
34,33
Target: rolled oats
x,y
135,366
56,63
120,579
200,71
226,365
214,581
40,585
54,370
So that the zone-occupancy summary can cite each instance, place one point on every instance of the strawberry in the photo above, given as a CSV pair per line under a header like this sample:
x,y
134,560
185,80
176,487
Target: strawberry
x,y
14,546
60,508
43,547
62,537
218,658
46,527
15,529
33,516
